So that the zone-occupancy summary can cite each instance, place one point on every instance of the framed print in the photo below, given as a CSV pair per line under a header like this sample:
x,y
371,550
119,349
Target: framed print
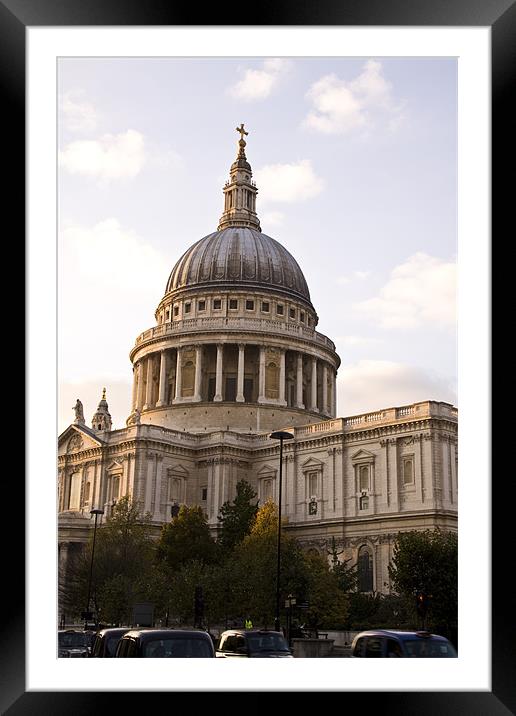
x,y
144,64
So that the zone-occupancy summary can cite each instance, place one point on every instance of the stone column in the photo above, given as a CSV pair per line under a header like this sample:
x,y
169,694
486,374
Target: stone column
x,y
148,392
162,379
299,382
313,386
157,493
218,374
240,379
334,395
282,400
177,399
261,378
135,386
198,373
324,388
140,384
148,483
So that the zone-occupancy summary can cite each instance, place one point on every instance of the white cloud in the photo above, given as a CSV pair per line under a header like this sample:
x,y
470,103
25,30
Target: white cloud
x,y
339,106
420,291
360,275
113,156
110,282
258,84
373,385
272,218
77,114
288,182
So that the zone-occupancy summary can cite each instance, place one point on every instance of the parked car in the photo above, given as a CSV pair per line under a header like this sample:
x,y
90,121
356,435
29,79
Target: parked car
x,y
252,643
380,643
165,644
73,643
106,641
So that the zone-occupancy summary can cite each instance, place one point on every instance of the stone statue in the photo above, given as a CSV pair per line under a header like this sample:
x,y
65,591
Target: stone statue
x,y
134,418
79,414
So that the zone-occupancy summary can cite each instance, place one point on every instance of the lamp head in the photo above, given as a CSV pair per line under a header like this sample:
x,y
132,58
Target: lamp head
x,y
281,435
97,512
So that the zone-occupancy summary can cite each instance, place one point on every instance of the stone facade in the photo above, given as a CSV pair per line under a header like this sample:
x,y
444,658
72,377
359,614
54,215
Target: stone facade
x,y
233,356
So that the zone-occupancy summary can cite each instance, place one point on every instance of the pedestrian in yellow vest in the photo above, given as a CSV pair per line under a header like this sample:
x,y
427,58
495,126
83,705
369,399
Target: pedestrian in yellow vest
x,y
248,623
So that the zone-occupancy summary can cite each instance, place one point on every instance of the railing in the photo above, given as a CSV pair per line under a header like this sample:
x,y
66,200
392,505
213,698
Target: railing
x,y
231,323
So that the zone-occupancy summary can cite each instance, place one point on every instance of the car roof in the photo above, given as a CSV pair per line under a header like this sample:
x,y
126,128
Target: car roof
x,y
400,634
164,633
113,630
251,631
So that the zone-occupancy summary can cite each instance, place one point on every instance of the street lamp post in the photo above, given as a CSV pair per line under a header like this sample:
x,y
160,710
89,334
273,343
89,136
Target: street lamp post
x,y
280,435
96,513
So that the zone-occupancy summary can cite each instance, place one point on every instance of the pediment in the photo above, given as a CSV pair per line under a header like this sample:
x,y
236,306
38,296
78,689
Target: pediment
x,y
267,470
77,438
311,462
363,455
115,465
178,470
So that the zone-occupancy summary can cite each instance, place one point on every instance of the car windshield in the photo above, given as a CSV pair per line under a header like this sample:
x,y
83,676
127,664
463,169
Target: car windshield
x,y
267,642
111,644
429,648
74,639
178,647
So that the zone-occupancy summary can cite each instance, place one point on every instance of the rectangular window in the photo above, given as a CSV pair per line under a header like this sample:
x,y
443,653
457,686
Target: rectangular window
x,y
188,307
408,471
249,305
115,493
266,490
176,310
217,304
363,477
167,314
312,484
174,489
279,309
233,304
302,317
292,313
74,503
201,305
265,306
204,494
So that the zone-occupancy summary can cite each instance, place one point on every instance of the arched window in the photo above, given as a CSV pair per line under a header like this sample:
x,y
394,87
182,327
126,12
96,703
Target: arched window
x,y
365,570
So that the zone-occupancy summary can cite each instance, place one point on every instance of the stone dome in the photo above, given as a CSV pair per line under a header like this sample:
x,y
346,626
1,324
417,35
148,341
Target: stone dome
x,y
239,257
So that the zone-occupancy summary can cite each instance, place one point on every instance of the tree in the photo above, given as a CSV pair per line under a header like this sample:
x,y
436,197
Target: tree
x,y
237,518
425,564
252,569
347,577
186,538
122,566
328,604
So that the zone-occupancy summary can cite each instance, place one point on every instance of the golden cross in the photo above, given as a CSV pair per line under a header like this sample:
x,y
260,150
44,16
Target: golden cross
x,y
242,131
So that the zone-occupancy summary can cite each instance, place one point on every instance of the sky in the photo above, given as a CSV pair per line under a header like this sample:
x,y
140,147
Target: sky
x,y
355,160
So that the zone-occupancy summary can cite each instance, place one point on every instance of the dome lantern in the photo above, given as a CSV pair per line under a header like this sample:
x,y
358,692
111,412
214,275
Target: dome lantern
x,y
240,192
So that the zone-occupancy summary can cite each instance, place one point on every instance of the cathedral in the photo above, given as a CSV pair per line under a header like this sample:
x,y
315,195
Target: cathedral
x,y
233,355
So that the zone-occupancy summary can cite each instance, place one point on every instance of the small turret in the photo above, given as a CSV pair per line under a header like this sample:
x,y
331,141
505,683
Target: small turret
x,y
102,419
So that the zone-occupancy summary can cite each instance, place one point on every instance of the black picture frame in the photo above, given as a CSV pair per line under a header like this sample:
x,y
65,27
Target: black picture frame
x,y
500,16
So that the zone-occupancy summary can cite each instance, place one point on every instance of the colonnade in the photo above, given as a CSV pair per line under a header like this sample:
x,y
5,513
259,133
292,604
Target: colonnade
x,y
239,372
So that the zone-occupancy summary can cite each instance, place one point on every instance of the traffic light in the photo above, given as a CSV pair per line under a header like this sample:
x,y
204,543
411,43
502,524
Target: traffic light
x,y
422,604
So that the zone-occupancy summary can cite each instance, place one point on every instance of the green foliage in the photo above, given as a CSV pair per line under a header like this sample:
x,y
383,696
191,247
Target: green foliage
x,y
328,603
122,566
236,518
185,539
347,577
426,562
